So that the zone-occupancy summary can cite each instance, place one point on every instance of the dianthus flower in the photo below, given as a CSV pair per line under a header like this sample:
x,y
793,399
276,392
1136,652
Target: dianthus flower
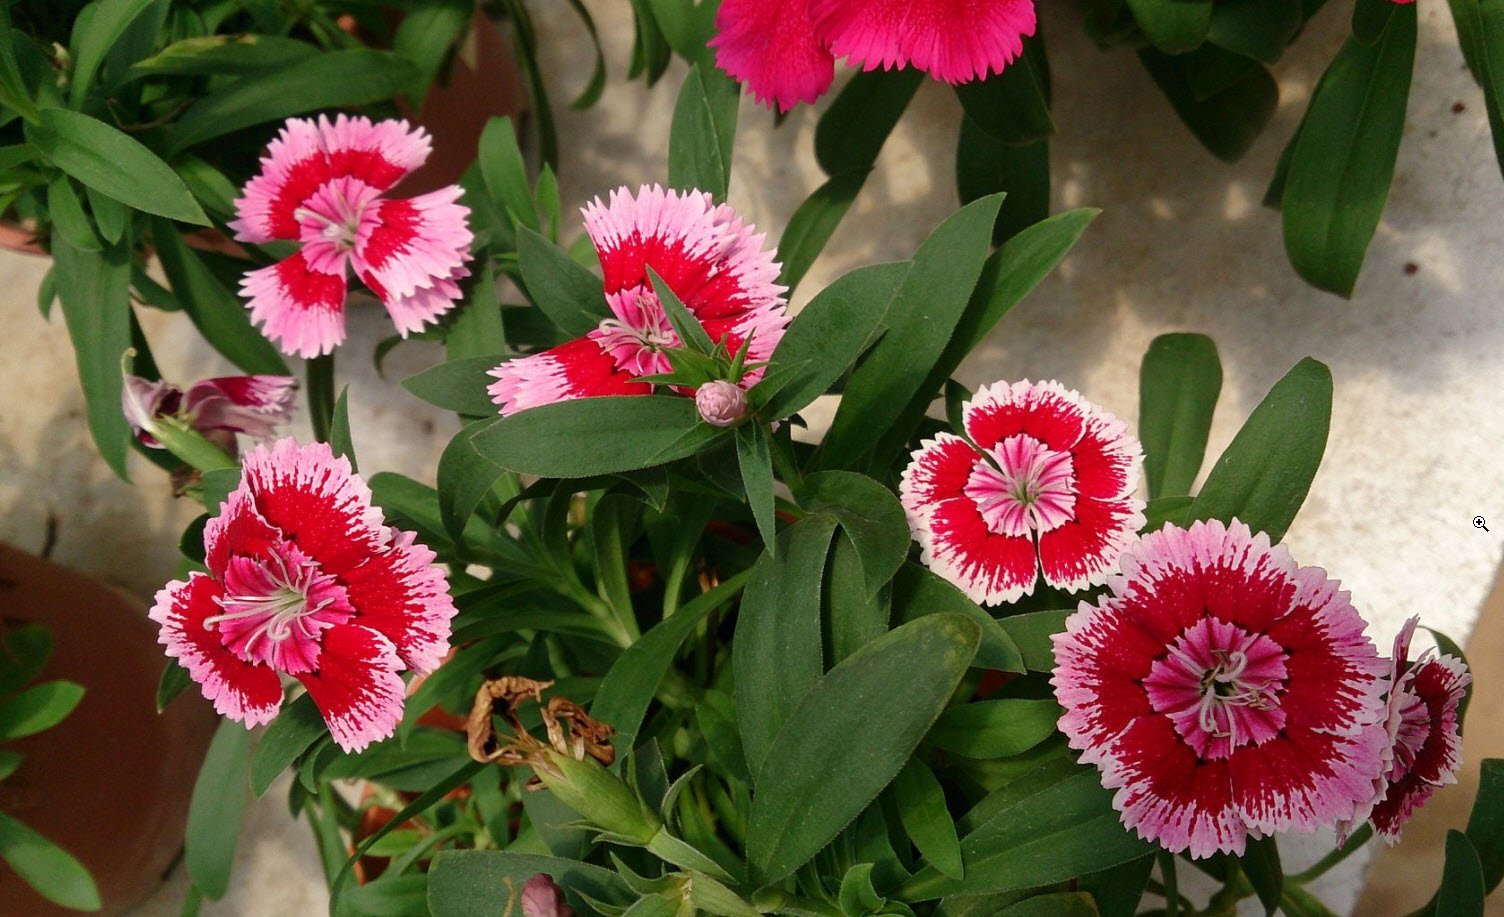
x,y
305,580
321,184
1042,480
1425,742
704,253
217,408
1223,691
785,50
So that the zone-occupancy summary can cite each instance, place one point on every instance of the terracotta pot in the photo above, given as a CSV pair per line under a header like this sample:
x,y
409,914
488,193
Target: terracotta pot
x,y
111,783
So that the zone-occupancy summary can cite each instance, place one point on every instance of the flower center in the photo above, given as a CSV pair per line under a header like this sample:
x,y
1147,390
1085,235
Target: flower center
x,y
275,608
1220,685
638,334
335,212
1031,487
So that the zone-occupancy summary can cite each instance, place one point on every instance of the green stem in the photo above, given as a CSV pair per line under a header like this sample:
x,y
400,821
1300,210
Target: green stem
x,y
190,446
1354,843
320,384
1167,875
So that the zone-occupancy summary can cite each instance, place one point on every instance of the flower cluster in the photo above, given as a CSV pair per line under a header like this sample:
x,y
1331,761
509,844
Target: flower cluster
x,y
785,50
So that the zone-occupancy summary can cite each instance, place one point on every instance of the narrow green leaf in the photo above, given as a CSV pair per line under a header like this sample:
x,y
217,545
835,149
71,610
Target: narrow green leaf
x,y
1485,825
46,867
38,708
570,295
1343,158
986,165
1173,26
702,132
426,35
505,173
1462,883
754,458
26,650
1179,382
691,333
642,431
1013,106
68,217
465,477
110,216
94,289
1226,123
340,440
994,728
225,55
92,41
174,681
918,592
1167,509
853,616
901,680
776,652
927,821
488,883
217,810
458,385
294,730
1265,473
1260,29
1260,862
854,128
1032,633
1117,891
813,224
114,163
871,516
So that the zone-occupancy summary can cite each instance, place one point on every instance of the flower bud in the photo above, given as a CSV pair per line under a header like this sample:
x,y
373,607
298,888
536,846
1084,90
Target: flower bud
x,y
542,898
721,403
603,798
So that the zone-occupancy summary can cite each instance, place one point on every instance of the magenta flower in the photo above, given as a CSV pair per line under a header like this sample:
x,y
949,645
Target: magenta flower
x,y
1043,480
1425,742
305,580
1223,691
712,261
217,408
785,50
321,184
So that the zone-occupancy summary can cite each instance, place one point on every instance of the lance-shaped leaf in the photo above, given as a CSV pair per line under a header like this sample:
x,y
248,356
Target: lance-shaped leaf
x,y
1179,382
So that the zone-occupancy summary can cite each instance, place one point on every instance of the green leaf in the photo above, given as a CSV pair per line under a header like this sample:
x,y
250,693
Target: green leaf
x,y
1462,884
1173,26
219,314
217,486
24,652
1260,862
918,592
1480,31
994,728
1343,158
641,432
477,329
901,680
333,79
488,883
755,459
68,218
1227,122
1012,106
46,867
458,385
633,679
703,131
1179,382
691,333
854,617
812,225
1167,509
776,651
113,163
919,324
174,681
1260,29
570,295
1485,825
1054,832
1055,904
927,821
465,477
9,761
94,289
830,332
871,516
854,128
505,173
92,42
225,55
1117,891
426,35
110,216
217,809
38,708
1263,476
986,165
1032,632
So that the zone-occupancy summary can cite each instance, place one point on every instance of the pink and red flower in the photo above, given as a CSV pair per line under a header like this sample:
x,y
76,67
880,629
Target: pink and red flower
x,y
704,253
1223,691
305,580
1043,480
1425,742
322,184
217,408
785,50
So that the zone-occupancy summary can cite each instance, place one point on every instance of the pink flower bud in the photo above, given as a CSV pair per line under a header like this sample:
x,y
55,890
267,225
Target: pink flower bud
x,y
721,403
542,898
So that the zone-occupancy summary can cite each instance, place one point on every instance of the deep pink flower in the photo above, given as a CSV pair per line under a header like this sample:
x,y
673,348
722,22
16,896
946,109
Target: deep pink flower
x,y
321,184
785,50
1042,480
305,580
712,261
1425,742
1223,691
217,408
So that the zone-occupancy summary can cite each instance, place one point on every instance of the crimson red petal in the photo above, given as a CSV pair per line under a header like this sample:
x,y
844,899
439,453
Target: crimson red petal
x,y
357,687
245,692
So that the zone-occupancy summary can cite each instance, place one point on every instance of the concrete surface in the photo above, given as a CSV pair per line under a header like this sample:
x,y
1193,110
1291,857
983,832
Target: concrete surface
x,y
1183,245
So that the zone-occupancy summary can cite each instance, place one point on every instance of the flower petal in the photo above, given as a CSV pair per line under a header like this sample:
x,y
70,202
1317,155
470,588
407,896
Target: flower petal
x,y
357,687
938,471
1167,795
400,594
410,252
1082,551
991,569
252,405
315,501
770,45
952,40
1305,779
244,692
1047,411
237,529
578,369
300,308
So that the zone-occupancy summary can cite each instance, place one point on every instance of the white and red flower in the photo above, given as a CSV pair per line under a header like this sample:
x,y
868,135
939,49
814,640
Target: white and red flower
x,y
1043,480
785,50
305,580
1425,741
322,184
217,408
704,253
1223,691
